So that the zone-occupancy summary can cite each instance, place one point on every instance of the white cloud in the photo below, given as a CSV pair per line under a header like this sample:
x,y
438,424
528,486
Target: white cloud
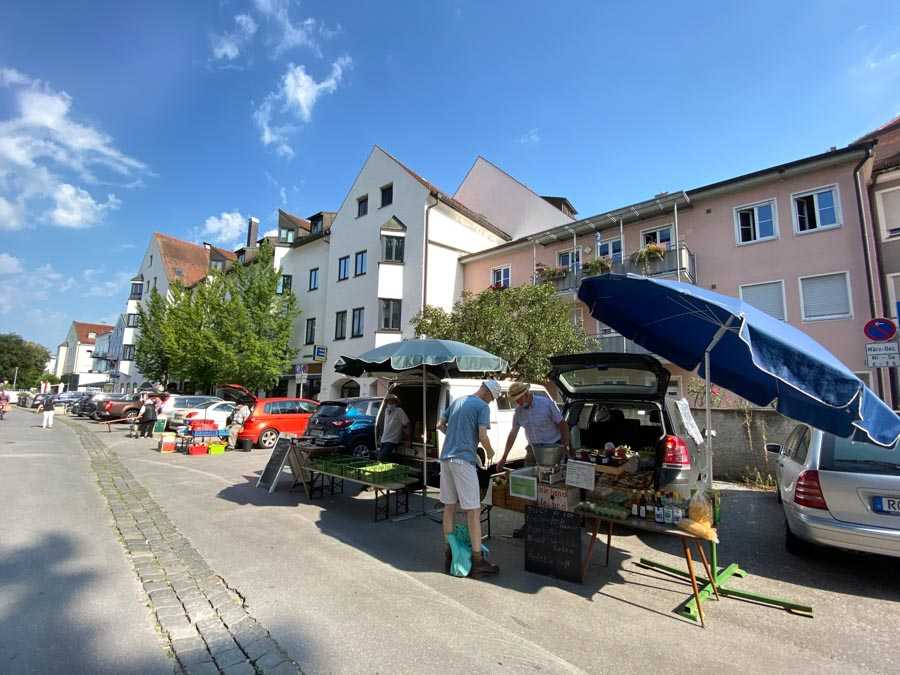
x,y
228,45
75,208
271,233
226,228
10,264
531,137
43,152
878,60
297,96
283,194
102,285
292,34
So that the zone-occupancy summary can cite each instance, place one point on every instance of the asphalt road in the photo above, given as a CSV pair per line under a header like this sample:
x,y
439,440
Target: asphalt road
x,y
343,594
69,599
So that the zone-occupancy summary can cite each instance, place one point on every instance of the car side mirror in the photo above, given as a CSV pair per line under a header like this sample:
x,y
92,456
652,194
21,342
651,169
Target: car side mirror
x,y
773,447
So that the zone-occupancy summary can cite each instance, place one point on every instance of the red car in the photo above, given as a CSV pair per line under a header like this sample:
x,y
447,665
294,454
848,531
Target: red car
x,y
270,417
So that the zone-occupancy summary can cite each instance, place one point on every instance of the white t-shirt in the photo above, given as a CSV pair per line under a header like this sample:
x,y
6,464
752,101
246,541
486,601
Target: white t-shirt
x,y
394,421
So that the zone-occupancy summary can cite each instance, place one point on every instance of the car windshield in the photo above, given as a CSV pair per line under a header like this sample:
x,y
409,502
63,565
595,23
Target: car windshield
x,y
843,454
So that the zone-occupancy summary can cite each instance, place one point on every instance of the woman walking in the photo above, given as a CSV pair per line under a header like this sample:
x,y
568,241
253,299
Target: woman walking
x,y
148,418
47,407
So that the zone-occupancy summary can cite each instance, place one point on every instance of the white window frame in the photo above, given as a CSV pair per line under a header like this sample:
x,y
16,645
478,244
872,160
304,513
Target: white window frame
x,y
676,380
501,269
570,251
838,210
753,205
658,228
609,240
892,310
830,317
879,207
784,306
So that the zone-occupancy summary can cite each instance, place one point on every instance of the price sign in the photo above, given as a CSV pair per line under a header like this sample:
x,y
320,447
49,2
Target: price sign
x,y
580,474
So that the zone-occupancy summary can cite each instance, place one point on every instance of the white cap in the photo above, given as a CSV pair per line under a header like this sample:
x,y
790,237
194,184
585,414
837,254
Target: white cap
x,y
492,386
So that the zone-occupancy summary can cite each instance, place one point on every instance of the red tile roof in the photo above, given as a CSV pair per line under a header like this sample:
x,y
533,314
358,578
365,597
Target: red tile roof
x,y
887,150
291,219
184,262
83,329
454,204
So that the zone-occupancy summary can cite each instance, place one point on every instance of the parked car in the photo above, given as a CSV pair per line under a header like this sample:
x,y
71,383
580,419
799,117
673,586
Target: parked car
x,y
91,406
838,492
214,409
621,399
347,423
179,403
117,409
270,417
42,399
73,402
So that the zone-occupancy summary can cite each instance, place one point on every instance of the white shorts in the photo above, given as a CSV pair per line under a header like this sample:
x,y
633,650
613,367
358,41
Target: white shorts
x,y
459,484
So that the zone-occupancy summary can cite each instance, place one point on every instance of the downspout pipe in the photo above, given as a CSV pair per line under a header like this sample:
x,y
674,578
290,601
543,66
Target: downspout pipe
x,y
870,272
434,196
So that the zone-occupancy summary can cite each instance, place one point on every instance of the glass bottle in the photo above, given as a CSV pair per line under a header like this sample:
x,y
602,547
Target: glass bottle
x,y
642,505
635,499
658,514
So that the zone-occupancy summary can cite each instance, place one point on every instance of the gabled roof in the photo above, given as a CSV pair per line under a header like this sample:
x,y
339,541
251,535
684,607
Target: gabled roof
x,y
291,219
887,152
184,261
454,204
82,330
228,255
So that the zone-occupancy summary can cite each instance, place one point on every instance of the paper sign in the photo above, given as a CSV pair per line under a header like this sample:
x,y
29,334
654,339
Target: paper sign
x,y
580,474
687,418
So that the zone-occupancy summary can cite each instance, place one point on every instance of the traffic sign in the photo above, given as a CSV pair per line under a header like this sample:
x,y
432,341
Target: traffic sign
x,y
882,355
299,369
320,352
880,329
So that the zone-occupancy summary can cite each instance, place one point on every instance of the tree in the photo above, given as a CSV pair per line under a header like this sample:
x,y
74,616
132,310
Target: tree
x,y
151,349
29,357
524,325
259,323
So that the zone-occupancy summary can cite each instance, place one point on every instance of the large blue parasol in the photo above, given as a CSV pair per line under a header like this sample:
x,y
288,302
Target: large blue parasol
x,y
750,353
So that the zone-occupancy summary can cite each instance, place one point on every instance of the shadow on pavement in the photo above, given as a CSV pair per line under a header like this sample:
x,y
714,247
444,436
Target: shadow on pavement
x,y
39,597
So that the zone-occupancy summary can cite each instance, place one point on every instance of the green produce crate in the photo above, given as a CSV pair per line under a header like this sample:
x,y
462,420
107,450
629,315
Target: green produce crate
x,y
217,448
383,473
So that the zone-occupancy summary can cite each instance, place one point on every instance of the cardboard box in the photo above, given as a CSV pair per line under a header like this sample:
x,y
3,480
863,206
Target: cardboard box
x,y
560,497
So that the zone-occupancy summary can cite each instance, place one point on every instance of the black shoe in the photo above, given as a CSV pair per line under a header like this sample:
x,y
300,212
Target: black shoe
x,y
448,560
482,568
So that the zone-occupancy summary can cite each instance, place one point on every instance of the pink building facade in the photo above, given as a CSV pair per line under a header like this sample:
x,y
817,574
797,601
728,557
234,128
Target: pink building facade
x,y
791,240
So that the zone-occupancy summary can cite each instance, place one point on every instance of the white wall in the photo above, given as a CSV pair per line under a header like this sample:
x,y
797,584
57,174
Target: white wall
x,y
298,262
507,203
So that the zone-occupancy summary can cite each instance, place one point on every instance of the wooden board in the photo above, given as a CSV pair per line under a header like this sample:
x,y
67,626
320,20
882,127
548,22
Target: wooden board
x,y
269,477
553,544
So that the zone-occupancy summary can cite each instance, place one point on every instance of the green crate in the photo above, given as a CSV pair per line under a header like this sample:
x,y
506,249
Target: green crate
x,y
383,473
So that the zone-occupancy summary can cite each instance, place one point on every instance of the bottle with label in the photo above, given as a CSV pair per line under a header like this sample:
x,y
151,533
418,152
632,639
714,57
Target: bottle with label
x,y
658,514
668,512
635,499
650,506
677,510
642,506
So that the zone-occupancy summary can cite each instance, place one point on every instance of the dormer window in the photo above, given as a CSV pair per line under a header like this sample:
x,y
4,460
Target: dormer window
x,y
240,257
285,235
217,265
315,226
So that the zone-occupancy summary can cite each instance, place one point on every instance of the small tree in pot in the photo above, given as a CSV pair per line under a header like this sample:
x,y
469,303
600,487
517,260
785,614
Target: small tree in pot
x,y
649,253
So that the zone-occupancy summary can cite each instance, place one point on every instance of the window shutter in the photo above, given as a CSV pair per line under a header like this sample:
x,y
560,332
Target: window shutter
x,y
765,297
825,296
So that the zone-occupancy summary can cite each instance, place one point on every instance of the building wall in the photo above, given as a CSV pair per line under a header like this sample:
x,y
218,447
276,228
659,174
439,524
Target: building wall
x,y
506,202
708,229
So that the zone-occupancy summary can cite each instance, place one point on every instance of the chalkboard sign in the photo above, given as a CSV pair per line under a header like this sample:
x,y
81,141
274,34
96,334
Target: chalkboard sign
x,y
274,466
553,543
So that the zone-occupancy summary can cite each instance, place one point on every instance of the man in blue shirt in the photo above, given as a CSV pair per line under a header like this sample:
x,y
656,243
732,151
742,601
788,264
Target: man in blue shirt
x,y
465,424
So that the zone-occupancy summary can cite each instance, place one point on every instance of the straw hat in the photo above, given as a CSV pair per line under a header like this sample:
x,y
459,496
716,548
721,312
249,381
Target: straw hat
x,y
517,390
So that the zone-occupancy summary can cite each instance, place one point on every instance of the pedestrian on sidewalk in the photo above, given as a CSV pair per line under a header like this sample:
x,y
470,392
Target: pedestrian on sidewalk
x,y
464,424
148,418
48,408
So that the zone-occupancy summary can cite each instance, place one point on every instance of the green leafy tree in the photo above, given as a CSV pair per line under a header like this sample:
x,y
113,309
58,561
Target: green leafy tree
x,y
259,323
29,357
524,325
151,349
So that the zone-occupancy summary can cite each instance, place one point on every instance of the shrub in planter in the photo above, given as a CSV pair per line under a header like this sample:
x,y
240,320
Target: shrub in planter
x,y
598,266
648,254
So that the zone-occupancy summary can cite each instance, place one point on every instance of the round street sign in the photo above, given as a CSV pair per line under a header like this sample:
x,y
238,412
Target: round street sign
x,y
880,329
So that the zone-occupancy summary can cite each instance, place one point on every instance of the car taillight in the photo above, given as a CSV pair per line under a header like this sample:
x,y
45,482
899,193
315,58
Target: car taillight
x,y
340,424
108,406
808,491
675,453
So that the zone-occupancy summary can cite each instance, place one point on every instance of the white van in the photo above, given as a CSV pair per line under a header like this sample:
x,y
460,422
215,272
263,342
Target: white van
x,y
440,393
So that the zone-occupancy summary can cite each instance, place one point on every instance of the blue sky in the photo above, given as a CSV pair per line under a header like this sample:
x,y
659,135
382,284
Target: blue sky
x,y
118,119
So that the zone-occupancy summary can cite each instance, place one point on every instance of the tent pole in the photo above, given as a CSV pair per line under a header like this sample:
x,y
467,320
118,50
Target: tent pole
x,y
424,436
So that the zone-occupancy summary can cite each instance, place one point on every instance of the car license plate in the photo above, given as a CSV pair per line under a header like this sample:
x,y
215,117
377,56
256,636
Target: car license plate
x,y
890,505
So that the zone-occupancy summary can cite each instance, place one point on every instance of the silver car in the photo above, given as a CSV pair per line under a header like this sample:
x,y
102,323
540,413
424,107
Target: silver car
x,y
838,492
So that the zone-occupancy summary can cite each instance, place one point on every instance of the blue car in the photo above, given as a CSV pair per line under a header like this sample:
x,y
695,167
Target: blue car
x,y
347,424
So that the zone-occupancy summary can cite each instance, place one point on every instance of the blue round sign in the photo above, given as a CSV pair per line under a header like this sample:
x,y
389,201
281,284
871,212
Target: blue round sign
x,y
880,330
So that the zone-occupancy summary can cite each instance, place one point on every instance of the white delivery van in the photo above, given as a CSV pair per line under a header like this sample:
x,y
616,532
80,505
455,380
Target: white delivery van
x,y
439,394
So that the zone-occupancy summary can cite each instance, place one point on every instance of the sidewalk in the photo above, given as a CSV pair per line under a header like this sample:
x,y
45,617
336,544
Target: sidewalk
x,y
69,600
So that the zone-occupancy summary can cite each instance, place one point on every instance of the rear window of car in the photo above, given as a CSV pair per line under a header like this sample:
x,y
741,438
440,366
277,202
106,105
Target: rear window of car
x,y
190,401
845,455
609,380
332,410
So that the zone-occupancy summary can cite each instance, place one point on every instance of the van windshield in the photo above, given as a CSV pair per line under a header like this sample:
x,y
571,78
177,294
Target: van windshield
x,y
843,454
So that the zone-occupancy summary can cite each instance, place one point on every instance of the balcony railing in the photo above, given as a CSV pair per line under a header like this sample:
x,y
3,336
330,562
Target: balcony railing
x,y
674,261
613,343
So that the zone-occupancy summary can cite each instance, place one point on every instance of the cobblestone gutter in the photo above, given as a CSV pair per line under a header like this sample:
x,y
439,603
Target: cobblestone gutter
x,y
202,620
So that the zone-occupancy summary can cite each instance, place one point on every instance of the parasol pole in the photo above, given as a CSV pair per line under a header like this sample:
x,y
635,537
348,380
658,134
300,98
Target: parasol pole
x,y
424,436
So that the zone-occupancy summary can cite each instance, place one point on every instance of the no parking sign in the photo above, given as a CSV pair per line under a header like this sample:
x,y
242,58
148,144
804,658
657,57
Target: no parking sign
x,y
880,329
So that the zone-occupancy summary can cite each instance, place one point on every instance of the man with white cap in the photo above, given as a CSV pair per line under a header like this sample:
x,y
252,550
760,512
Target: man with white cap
x,y
543,422
465,423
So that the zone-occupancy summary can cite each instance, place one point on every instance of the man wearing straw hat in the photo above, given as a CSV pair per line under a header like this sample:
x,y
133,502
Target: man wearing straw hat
x,y
543,422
